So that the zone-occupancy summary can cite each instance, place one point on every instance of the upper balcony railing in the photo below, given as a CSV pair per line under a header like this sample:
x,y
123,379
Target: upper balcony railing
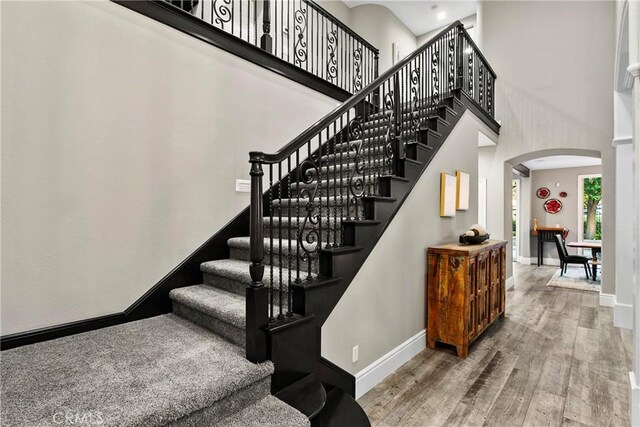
x,y
299,32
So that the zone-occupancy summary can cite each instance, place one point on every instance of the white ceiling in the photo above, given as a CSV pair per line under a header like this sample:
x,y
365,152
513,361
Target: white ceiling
x,y
561,162
418,16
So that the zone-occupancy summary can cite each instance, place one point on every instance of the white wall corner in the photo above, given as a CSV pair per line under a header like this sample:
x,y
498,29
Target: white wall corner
x,y
622,315
634,400
376,372
607,300
510,283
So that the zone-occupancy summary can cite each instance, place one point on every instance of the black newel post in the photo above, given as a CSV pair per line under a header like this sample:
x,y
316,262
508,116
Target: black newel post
x,y
257,294
265,40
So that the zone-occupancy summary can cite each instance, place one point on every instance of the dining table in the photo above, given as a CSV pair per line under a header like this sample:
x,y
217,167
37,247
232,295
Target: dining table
x,y
596,248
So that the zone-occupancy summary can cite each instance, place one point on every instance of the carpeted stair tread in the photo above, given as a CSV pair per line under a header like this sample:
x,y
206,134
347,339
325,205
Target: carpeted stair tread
x,y
268,412
213,302
238,270
143,373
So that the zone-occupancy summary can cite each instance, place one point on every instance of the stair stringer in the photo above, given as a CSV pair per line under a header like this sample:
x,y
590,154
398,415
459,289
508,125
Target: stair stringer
x,y
297,352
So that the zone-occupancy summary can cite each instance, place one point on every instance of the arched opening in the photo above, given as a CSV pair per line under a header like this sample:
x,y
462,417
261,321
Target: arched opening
x,y
555,188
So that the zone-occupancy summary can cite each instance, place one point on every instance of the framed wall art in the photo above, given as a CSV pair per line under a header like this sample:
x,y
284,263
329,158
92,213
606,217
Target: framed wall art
x,y
448,186
462,191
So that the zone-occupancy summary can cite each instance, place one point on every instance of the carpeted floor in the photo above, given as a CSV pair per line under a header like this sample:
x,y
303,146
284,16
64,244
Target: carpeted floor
x,y
574,278
145,373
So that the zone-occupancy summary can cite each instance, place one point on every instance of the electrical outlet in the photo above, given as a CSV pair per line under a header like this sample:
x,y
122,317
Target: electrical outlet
x,y
354,354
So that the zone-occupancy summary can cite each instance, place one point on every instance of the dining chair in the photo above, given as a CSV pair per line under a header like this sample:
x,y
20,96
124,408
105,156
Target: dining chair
x,y
566,259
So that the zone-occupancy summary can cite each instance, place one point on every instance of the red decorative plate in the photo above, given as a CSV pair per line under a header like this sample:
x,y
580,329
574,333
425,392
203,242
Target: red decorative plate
x,y
543,192
553,206
563,194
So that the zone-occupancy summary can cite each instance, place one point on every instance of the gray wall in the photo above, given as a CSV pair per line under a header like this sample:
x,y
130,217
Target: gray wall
x,y
550,94
568,217
121,142
385,304
382,28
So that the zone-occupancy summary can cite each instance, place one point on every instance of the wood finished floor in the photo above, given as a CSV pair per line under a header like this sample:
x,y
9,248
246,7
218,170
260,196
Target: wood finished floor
x,y
555,360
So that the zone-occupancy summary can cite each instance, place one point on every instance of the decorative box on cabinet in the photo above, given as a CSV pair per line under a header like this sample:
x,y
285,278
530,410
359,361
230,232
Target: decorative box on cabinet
x,y
465,291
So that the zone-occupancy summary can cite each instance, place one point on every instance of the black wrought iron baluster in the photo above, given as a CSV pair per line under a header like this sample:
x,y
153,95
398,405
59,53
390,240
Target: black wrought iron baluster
x,y
328,187
280,288
436,84
298,231
232,20
306,37
480,84
415,105
348,148
255,23
300,47
356,182
470,74
341,179
291,222
450,59
265,40
338,189
321,178
332,63
289,35
357,78
397,114
271,290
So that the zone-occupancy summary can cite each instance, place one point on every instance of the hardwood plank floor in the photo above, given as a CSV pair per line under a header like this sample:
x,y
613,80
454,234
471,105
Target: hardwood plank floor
x,y
556,359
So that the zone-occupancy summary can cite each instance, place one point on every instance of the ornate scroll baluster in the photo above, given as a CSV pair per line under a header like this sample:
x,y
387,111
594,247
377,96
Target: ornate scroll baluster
x,y
309,234
221,12
300,46
355,182
415,101
480,83
470,74
450,64
390,134
332,61
435,81
357,71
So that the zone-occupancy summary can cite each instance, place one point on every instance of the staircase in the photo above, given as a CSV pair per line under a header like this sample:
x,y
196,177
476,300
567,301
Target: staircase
x,y
243,347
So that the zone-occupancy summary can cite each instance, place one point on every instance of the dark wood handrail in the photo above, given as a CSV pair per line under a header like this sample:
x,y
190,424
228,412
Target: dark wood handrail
x,y
342,25
304,137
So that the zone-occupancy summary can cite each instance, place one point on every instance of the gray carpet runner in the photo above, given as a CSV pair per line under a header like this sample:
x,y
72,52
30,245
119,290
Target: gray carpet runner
x,y
189,368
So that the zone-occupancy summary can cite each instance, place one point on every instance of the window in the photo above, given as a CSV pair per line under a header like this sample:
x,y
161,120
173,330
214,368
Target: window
x,y
590,207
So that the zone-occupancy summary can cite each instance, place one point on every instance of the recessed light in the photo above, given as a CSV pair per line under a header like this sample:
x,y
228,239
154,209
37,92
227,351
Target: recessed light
x,y
441,15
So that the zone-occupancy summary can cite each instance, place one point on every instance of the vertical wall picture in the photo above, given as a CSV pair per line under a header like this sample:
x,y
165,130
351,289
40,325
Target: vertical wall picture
x,y
462,191
447,195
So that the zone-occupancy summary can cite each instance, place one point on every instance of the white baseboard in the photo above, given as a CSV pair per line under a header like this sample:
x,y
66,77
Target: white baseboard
x,y
634,400
510,283
607,300
373,374
623,315
524,260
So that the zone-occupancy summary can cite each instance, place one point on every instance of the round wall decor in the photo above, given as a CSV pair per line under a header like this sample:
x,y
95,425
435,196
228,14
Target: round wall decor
x,y
543,192
563,194
553,206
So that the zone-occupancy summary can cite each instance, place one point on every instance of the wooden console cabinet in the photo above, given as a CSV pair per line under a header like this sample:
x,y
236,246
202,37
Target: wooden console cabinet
x,y
465,291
